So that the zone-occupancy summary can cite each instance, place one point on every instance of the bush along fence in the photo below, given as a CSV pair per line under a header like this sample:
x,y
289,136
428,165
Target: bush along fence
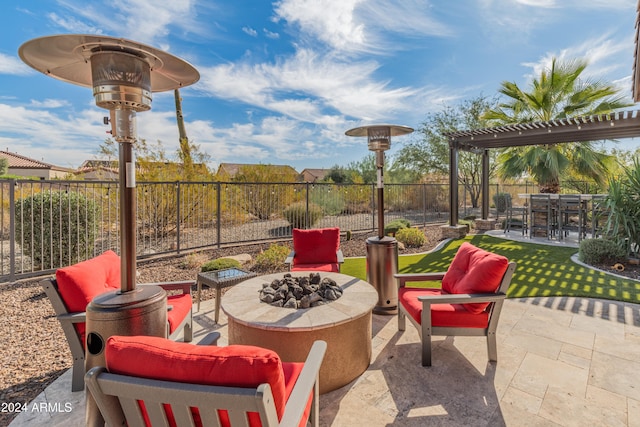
x,y
49,224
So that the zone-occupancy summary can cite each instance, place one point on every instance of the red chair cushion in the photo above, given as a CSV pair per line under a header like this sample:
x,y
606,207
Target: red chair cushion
x,y
442,315
316,246
474,270
181,305
78,284
233,366
332,267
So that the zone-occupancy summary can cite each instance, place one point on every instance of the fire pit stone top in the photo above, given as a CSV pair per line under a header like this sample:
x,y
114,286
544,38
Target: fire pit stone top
x,y
241,304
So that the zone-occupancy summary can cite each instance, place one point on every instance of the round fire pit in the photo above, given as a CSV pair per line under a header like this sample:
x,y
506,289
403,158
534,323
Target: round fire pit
x,y
345,324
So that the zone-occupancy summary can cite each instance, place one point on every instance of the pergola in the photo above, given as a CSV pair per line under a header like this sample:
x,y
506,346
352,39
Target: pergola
x,y
625,124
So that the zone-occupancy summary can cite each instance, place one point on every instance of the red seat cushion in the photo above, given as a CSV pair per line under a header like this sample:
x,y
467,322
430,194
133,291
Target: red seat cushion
x,y
332,267
233,366
316,246
181,305
78,284
474,270
442,315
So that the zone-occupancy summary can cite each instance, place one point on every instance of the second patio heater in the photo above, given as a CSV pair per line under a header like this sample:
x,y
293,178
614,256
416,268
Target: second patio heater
x,y
382,251
123,74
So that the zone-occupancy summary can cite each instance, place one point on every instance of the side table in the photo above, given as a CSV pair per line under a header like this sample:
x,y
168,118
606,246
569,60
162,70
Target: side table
x,y
221,279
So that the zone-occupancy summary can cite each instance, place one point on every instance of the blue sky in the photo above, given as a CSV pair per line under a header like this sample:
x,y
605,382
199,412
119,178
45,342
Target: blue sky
x,y
281,81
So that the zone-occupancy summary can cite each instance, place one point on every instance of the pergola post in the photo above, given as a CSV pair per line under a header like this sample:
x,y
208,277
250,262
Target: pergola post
x,y
453,184
485,184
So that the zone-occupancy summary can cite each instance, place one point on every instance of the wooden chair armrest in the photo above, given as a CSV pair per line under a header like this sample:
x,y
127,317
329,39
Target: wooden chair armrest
x,y
461,298
340,256
184,286
306,382
289,259
210,339
418,277
79,317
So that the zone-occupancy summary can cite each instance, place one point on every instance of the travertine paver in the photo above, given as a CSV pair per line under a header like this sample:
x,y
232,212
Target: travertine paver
x,y
542,378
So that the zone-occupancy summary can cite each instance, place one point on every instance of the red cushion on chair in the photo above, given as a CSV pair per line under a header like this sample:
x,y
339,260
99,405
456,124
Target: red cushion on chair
x,y
332,267
181,305
474,270
233,366
316,246
78,284
442,315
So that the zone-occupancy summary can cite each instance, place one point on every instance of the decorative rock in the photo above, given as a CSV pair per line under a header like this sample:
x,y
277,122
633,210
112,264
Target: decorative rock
x,y
300,292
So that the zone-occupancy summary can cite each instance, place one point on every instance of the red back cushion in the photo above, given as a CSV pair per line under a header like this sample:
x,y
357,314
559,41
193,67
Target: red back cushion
x,y
163,359
316,246
474,270
78,284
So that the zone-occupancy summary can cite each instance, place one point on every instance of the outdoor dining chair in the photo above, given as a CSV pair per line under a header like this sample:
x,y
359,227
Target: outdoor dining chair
x,y
572,215
542,215
516,216
468,303
75,286
151,381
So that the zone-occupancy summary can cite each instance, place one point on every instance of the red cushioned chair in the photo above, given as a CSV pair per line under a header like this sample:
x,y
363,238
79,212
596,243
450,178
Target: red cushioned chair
x,y
75,286
469,302
316,249
154,381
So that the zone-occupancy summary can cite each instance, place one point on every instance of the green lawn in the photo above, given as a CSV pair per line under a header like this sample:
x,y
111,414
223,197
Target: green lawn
x,y
542,270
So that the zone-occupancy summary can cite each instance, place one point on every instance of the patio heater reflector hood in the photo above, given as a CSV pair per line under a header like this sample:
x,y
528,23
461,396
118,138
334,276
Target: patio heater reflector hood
x,y
123,75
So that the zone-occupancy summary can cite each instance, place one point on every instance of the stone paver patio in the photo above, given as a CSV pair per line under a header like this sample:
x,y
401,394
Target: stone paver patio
x,y
561,361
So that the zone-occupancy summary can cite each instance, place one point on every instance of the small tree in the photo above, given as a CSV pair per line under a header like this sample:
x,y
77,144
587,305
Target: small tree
x,y
62,229
4,166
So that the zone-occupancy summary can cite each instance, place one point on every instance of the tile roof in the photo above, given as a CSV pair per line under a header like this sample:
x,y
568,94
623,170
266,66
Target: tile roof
x,y
23,162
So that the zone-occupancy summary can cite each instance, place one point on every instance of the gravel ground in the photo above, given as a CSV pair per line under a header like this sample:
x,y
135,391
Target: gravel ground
x,y
34,351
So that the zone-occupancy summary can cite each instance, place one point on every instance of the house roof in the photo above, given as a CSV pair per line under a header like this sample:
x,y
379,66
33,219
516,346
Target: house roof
x,y
317,173
624,124
23,162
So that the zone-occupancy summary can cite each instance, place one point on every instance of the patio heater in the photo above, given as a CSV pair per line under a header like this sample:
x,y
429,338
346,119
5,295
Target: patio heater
x,y
123,74
382,251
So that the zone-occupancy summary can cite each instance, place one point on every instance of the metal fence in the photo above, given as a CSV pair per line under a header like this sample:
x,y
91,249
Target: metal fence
x,y
49,224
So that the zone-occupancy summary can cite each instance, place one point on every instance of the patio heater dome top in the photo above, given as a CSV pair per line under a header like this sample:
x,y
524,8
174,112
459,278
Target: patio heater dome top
x,y
122,72
395,130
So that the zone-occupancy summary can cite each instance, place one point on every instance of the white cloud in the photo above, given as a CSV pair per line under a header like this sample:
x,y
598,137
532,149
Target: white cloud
x,y
13,65
287,86
250,31
359,25
270,34
50,103
74,25
603,54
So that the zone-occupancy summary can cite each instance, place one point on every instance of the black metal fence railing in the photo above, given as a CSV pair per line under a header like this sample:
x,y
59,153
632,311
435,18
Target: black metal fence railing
x,y
48,224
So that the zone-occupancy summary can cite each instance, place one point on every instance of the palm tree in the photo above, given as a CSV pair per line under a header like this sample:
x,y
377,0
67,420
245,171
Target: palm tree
x,y
557,93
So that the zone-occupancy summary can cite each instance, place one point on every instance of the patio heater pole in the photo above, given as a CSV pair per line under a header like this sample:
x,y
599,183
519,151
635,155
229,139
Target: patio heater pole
x,y
120,72
382,251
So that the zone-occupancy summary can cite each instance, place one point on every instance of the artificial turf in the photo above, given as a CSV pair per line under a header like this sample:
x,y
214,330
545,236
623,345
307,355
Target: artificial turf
x,y
542,270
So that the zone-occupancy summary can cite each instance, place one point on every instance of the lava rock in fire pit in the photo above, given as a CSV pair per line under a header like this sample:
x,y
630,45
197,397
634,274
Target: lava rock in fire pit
x,y
300,292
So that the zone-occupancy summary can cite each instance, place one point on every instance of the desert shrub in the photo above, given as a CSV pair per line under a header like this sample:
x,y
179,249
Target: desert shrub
x,y
411,237
600,251
296,214
57,228
501,201
272,258
220,264
329,198
395,225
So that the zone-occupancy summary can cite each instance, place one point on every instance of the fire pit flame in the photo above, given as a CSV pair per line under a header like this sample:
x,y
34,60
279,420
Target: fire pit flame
x,y
300,292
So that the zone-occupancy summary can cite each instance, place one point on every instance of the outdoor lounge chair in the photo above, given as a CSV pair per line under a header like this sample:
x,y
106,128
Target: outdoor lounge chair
x,y
469,303
75,286
316,249
154,381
